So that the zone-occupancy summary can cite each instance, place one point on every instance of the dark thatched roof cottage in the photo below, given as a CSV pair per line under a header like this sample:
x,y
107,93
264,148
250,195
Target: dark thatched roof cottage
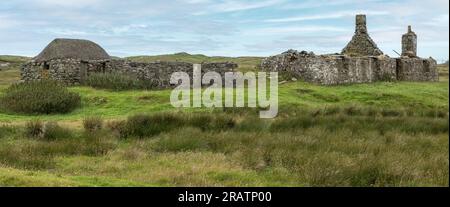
x,y
66,60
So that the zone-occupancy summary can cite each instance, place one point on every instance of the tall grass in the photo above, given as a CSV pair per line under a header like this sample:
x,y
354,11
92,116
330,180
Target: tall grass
x,y
314,157
116,82
41,154
148,125
335,146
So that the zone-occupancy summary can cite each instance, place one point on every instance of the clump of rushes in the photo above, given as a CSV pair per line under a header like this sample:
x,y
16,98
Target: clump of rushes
x,y
93,124
34,128
53,131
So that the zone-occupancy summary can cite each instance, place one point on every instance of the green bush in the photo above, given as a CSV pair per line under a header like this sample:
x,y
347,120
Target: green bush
x,y
116,82
39,97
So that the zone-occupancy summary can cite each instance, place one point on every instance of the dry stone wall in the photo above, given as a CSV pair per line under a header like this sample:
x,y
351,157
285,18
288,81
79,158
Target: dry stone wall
x,y
417,69
72,71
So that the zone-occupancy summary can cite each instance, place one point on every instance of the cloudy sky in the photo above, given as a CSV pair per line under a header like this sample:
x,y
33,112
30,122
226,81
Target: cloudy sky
x,y
221,27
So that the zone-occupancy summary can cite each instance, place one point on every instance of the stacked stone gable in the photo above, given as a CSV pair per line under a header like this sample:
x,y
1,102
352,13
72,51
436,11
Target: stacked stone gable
x,y
361,43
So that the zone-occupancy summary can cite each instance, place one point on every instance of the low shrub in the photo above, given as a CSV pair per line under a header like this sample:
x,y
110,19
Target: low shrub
x,y
143,125
39,97
92,124
208,122
118,128
47,131
353,111
52,131
34,129
97,145
331,110
301,122
149,125
116,82
391,112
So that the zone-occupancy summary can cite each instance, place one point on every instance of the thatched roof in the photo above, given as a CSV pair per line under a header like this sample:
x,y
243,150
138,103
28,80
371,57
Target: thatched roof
x,y
72,48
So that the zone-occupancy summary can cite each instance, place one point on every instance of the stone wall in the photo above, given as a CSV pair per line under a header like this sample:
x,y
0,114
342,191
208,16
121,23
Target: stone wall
x,y
342,69
417,69
72,71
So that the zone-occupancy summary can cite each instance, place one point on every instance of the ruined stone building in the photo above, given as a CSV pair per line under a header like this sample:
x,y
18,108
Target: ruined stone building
x,y
361,61
71,61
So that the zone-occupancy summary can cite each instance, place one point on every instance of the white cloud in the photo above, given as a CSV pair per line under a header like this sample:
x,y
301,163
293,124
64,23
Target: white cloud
x,y
438,21
7,22
335,15
291,30
310,4
68,3
128,28
197,1
65,32
235,5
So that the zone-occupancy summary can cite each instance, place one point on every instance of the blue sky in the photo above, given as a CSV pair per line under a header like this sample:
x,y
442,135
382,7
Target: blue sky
x,y
221,27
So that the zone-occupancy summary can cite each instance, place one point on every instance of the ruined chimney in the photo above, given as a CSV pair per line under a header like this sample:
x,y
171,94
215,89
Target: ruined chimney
x,y
361,27
361,43
409,43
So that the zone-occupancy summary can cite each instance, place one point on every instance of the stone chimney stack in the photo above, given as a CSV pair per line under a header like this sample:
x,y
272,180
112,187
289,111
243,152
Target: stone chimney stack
x,y
361,27
361,43
409,43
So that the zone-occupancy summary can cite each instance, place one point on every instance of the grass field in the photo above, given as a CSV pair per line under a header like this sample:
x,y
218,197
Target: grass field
x,y
380,134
